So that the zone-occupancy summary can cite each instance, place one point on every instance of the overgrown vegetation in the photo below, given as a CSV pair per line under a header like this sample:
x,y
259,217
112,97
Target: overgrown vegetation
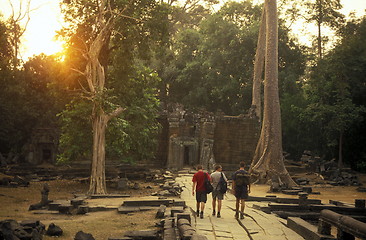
x,y
188,54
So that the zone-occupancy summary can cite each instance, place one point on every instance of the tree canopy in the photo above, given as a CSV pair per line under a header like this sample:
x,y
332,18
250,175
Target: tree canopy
x,y
189,53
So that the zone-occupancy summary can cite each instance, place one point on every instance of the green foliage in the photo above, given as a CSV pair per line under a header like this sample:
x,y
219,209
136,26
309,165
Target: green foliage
x,y
76,138
131,136
336,95
214,62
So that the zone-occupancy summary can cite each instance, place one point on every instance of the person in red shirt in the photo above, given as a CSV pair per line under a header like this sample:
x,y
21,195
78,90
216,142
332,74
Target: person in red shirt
x,y
199,187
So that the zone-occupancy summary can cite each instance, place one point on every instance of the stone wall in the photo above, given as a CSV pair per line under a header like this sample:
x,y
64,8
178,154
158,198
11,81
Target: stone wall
x,y
235,140
193,138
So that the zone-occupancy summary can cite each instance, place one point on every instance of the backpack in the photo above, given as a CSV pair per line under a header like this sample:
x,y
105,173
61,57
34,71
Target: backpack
x,y
207,184
242,179
222,185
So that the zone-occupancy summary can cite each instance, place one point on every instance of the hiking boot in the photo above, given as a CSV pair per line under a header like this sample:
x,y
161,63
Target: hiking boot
x,y
201,215
236,215
218,215
213,213
241,216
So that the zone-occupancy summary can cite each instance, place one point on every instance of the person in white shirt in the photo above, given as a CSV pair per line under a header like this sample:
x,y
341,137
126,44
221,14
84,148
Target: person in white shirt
x,y
217,195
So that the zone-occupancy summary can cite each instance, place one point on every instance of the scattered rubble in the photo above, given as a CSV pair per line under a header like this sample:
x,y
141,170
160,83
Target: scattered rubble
x,y
83,236
25,230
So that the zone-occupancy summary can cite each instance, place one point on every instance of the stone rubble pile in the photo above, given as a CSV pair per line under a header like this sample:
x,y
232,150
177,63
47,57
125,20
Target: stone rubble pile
x,y
27,230
167,184
16,181
327,170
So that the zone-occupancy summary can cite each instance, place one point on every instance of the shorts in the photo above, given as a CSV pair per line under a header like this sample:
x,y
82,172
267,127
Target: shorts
x,y
241,193
201,197
217,194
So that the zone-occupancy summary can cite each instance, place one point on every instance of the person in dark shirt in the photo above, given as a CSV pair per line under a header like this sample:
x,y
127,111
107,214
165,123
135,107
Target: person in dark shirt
x,y
241,188
199,187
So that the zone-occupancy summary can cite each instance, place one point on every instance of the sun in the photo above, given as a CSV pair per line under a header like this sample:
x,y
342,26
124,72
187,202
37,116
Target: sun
x,y
45,21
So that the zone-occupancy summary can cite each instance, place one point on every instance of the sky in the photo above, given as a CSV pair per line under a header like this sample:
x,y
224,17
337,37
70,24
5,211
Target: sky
x,y
46,19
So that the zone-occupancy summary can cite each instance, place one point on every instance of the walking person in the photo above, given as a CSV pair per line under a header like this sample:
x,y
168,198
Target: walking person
x,y
241,188
200,189
219,189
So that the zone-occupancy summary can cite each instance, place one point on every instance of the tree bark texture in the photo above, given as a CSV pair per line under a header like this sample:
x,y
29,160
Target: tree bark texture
x,y
95,76
320,21
97,177
258,68
268,164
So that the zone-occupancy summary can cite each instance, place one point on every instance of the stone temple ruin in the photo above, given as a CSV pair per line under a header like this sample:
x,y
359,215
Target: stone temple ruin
x,y
190,138
42,147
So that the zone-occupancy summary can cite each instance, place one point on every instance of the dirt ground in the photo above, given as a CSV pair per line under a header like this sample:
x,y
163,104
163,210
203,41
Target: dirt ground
x,y
15,202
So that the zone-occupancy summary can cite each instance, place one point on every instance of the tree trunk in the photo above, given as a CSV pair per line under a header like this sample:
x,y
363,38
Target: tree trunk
x,y
319,22
258,68
96,77
268,164
97,177
340,150
320,55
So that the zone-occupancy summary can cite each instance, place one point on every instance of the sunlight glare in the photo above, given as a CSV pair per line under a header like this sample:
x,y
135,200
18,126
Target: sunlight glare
x,y
45,20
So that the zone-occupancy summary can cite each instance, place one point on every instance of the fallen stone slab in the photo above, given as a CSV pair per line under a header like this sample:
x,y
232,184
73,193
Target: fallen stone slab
x,y
282,200
143,235
317,208
175,210
131,209
179,203
45,212
156,202
306,230
100,208
127,209
304,215
291,192
65,208
78,201
53,206
99,196
82,209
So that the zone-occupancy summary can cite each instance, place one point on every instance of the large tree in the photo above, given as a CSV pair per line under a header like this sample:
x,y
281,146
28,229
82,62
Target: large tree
x,y
107,39
258,68
101,19
268,162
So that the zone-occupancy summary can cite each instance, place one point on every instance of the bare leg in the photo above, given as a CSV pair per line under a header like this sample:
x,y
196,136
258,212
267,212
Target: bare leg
x,y
198,206
219,204
242,205
237,207
202,206
214,204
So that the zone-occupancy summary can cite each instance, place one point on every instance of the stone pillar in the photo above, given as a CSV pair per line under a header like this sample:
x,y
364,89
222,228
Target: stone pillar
x,y
303,199
44,193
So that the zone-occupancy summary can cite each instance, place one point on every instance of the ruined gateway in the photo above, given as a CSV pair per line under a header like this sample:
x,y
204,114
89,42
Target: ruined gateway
x,y
188,139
